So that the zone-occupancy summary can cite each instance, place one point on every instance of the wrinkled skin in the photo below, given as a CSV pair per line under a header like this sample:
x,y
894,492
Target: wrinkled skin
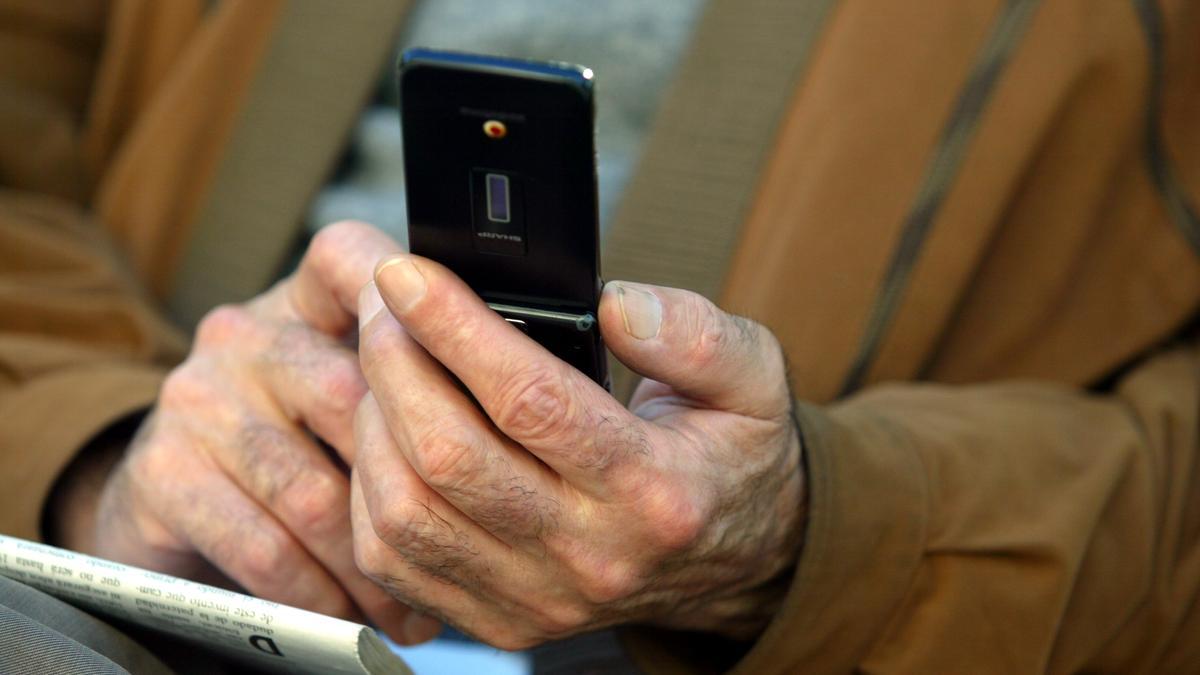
x,y
228,478
544,510
548,509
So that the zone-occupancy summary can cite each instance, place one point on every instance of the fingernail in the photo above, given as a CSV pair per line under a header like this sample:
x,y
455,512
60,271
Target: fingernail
x,y
401,281
421,628
641,310
369,304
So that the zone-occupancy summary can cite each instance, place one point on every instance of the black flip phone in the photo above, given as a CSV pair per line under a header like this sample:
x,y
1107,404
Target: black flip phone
x,y
500,175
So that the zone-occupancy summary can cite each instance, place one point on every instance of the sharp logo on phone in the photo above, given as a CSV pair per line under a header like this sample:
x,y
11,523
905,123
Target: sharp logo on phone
x,y
496,235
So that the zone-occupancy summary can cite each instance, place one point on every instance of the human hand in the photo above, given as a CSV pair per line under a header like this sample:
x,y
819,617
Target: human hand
x,y
226,476
548,509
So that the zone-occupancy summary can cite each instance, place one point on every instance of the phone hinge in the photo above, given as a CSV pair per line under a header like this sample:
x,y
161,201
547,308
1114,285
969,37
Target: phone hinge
x,y
581,322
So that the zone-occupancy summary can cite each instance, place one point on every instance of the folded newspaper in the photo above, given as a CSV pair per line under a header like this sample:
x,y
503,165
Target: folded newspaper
x,y
263,633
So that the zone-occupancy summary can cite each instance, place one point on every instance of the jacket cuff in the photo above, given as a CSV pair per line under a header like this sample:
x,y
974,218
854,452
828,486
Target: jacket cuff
x,y
864,539
50,419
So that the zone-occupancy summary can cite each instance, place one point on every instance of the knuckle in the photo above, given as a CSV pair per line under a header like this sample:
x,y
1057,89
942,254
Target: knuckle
x,y
675,520
445,456
329,244
186,388
342,387
223,325
559,619
371,556
316,504
423,539
534,404
710,340
400,523
607,581
150,465
341,252
261,557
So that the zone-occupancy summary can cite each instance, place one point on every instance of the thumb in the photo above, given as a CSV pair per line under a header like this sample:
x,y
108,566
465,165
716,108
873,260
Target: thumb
x,y
681,339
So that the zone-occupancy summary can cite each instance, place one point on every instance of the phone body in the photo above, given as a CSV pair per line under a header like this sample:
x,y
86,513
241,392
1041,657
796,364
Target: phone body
x,y
500,180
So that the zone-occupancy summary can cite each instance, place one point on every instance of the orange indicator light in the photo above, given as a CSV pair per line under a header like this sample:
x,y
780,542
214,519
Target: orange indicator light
x,y
495,129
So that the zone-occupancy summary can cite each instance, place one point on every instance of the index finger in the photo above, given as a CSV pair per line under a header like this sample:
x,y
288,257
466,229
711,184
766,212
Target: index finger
x,y
323,291
536,399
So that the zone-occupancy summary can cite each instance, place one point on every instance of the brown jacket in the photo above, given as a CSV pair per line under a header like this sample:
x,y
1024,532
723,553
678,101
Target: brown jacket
x,y
988,204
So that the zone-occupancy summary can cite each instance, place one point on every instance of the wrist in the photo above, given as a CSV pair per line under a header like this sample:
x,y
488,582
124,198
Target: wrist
x,y
761,601
69,515
743,607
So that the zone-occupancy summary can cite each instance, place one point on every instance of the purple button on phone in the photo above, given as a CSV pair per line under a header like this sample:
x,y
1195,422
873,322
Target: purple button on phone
x,y
497,198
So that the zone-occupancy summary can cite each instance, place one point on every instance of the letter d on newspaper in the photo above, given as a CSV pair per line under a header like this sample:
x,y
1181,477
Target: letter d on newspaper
x,y
264,633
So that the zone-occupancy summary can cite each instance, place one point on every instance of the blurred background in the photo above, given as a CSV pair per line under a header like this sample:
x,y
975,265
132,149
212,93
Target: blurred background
x,y
632,46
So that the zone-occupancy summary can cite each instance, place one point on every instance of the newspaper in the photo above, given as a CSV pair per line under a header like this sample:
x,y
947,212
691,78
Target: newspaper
x,y
262,633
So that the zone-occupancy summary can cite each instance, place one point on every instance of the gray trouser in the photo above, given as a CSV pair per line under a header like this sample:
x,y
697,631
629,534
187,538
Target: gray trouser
x,y
42,635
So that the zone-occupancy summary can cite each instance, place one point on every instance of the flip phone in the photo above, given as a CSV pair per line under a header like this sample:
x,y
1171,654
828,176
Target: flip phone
x,y
500,176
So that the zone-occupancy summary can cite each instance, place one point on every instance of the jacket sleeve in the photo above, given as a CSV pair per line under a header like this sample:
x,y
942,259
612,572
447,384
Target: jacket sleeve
x,y
1005,528
80,348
